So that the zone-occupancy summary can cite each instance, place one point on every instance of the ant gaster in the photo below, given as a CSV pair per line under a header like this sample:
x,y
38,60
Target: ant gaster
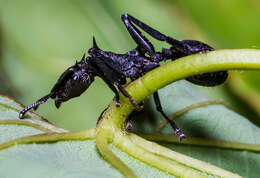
x,y
114,68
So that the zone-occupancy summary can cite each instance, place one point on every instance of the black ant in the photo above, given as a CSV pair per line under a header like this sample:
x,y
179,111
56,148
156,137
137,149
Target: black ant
x,y
114,68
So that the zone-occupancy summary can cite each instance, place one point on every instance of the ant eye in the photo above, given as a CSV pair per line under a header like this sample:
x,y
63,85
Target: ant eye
x,y
75,77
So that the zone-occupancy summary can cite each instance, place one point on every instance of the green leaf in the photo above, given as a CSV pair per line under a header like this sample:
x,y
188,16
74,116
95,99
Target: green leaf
x,y
55,159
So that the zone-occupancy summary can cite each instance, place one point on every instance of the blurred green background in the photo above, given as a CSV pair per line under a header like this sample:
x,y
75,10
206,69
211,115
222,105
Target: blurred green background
x,y
40,39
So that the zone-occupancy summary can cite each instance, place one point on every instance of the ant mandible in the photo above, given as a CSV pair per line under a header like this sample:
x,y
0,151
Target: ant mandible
x,y
115,68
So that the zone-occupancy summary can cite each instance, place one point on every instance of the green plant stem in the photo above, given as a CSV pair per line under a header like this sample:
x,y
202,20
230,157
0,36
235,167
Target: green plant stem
x,y
50,137
103,147
134,148
201,142
186,109
180,158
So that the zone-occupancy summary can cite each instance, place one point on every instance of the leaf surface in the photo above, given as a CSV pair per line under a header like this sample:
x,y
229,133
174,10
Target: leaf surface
x,y
58,159
214,122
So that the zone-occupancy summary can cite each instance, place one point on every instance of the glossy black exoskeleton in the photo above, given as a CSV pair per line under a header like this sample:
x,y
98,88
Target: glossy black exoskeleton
x,y
115,68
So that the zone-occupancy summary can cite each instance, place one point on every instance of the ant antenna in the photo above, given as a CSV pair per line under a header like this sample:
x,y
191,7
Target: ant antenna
x,y
34,105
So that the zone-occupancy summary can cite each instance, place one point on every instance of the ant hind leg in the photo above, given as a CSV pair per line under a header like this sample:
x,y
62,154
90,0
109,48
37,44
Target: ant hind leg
x,y
138,36
176,129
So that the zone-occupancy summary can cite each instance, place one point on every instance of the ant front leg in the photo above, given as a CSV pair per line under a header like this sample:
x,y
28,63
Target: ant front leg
x,y
34,105
177,131
113,88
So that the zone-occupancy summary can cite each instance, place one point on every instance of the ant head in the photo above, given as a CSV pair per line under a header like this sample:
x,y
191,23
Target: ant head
x,y
72,83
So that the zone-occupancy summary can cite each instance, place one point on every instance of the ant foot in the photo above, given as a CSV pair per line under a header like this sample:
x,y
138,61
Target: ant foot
x,y
180,135
117,104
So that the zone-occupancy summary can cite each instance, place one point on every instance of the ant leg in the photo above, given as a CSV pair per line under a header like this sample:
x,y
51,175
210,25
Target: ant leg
x,y
138,36
154,33
112,76
178,49
113,88
128,124
177,131
103,69
126,94
34,105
